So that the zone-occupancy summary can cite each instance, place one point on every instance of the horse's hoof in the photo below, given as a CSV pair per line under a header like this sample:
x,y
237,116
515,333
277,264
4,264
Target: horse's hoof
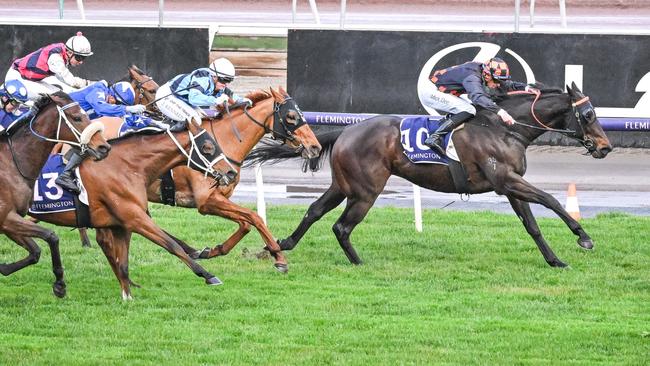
x,y
203,254
286,244
586,244
281,267
558,264
213,281
59,290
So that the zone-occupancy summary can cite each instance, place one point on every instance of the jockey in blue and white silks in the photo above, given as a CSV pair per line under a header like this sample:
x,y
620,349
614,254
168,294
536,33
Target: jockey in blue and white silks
x,y
100,100
181,98
13,95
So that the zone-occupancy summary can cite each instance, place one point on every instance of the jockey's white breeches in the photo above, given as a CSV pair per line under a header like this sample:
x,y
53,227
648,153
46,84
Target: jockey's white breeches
x,y
34,88
433,99
175,108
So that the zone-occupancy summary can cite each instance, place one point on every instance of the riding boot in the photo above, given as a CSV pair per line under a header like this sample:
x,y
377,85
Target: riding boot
x,y
447,124
67,180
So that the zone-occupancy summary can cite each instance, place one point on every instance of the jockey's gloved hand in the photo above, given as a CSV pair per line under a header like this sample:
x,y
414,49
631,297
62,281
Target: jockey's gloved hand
x,y
247,101
137,109
506,117
531,89
222,99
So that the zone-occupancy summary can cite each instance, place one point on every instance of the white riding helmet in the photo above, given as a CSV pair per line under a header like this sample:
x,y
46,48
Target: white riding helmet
x,y
79,45
223,68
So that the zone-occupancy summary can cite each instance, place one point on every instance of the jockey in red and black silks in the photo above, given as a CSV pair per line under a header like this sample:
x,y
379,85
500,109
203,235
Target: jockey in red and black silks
x,y
34,66
475,79
35,69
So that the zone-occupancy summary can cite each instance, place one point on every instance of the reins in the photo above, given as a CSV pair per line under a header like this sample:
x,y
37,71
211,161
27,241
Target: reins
x,y
532,112
566,132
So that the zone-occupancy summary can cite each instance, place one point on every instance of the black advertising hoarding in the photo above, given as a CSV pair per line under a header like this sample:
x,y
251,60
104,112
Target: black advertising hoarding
x,y
379,71
161,52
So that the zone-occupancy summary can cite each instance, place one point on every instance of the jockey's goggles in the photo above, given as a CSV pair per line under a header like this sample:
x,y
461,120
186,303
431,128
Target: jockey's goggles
x,y
79,58
225,79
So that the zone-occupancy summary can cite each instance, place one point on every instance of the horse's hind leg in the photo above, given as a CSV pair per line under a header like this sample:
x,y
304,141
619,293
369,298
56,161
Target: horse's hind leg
x,y
353,214
115,245
83,235
326,203
522,209
32,258
22,230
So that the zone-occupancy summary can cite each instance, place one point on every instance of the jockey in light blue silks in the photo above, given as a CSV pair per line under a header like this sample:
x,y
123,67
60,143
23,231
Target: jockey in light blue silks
x,y
13,95
99,100
181,98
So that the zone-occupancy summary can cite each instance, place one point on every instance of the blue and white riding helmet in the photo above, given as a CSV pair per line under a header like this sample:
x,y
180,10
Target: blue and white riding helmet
x,y
14,89
124,93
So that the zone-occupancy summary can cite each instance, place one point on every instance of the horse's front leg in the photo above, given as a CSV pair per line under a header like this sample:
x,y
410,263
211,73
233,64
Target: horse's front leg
x,y
522,209
218,205
515,186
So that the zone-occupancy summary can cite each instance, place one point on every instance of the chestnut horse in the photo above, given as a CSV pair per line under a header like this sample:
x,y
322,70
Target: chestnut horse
x,y
364,156
22,156
276,113
117,197
273,112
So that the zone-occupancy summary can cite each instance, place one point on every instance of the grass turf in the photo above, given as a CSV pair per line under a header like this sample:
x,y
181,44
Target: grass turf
x,y
471,289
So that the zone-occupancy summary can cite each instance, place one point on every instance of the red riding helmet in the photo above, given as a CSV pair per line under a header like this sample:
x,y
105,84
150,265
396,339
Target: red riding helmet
x,y
497,68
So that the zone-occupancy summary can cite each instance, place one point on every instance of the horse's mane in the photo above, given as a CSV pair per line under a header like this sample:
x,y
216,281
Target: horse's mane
x,y
44,99
258,95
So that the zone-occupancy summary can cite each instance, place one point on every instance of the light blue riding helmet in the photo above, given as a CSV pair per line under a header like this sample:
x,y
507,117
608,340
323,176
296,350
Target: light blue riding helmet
x,y
14,89
124,93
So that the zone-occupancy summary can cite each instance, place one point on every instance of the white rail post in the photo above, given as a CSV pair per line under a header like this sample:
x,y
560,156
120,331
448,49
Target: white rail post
x,y
517,7
293,10
161,11
61,9
314,10
563,13
417,207
259,183
343,10
80,6
532,13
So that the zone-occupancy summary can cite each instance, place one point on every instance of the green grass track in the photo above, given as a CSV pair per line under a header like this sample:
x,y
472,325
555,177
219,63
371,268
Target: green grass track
x,y
471,289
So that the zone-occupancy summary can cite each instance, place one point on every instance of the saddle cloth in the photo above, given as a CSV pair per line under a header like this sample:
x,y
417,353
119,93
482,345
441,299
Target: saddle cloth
x,y
48,196
414,130
116,127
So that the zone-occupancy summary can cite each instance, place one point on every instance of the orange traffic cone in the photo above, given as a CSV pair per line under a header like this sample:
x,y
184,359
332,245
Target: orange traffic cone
x,y
572,202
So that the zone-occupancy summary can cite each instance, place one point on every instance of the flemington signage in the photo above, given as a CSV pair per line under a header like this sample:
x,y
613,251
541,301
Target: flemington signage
x,y
351,72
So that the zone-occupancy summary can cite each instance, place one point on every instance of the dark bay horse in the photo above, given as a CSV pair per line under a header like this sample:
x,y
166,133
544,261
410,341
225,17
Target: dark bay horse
x,y
275,112
22,156
364,156
117,194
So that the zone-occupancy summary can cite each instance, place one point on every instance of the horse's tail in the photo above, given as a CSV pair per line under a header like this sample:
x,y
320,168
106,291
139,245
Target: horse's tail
x,y
272,152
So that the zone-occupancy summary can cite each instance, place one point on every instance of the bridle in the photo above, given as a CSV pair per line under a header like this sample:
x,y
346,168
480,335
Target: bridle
x,y
82,137
281,130
139,86
580,109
